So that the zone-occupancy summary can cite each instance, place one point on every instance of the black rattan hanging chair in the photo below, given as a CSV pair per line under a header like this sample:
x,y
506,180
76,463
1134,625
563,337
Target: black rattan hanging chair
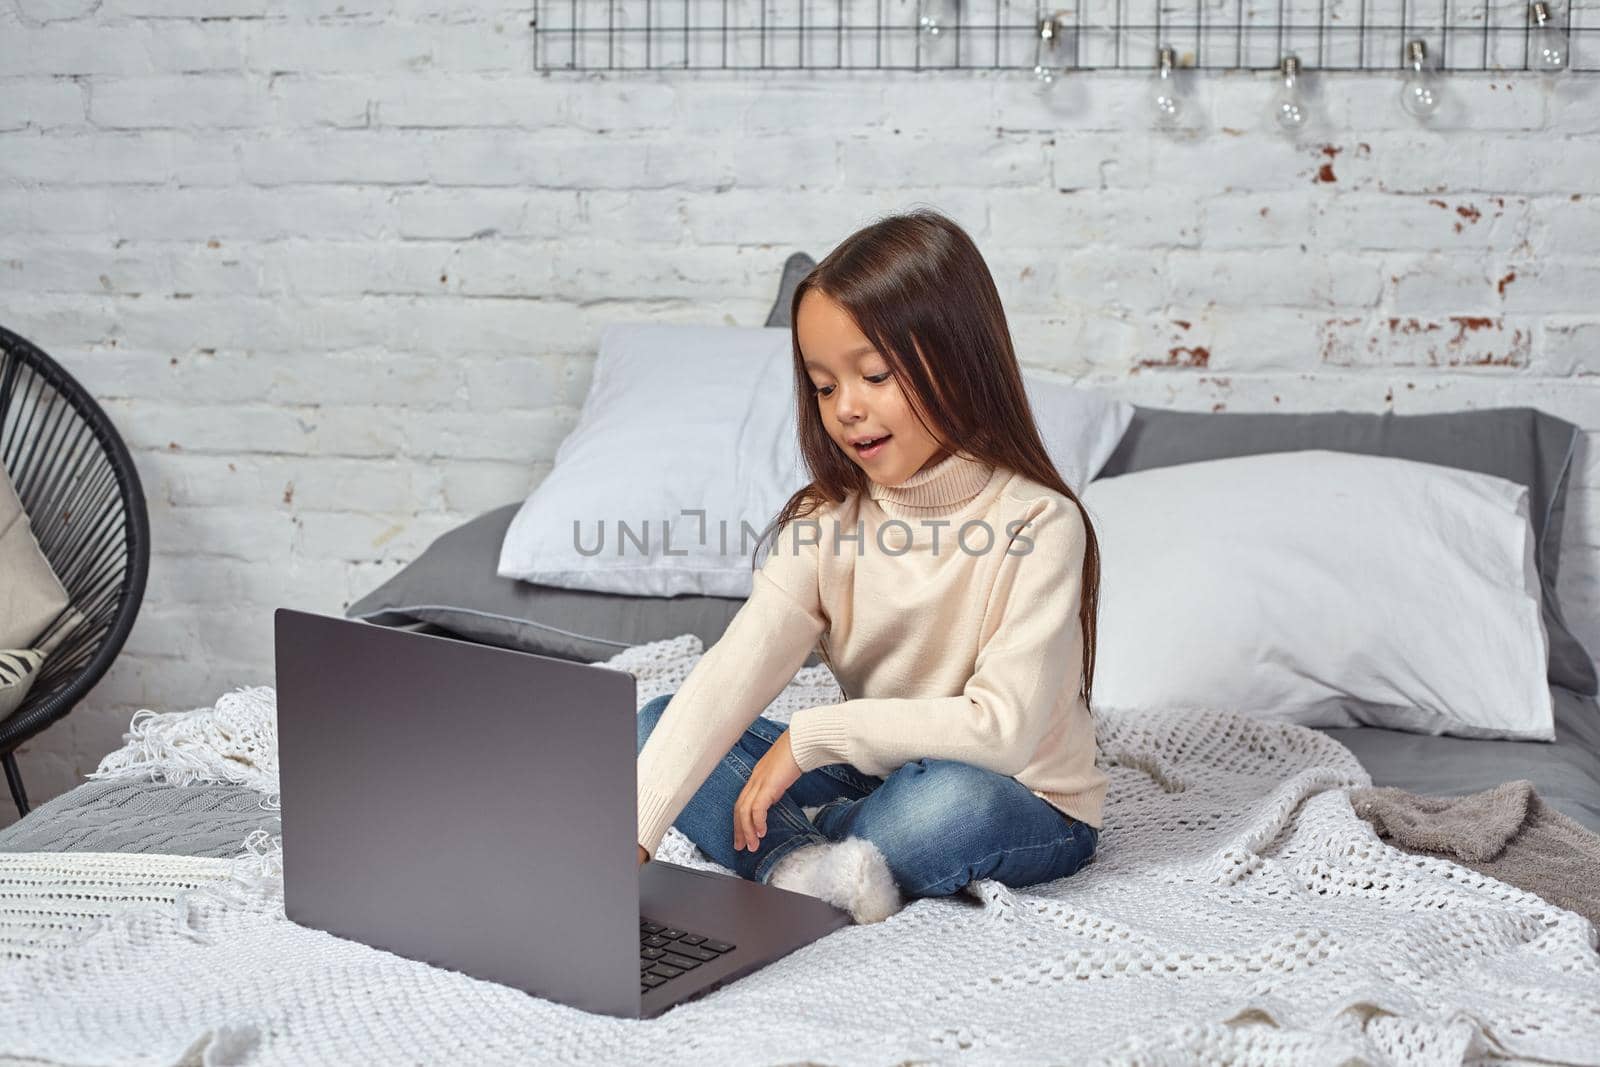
x,y
82,496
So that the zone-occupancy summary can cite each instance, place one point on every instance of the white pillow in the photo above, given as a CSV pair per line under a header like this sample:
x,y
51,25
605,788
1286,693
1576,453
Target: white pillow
x,y
1080,426
1322,588
678,419
701,418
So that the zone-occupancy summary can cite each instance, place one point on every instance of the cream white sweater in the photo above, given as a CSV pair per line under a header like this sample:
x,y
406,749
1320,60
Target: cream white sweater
x,y
946,645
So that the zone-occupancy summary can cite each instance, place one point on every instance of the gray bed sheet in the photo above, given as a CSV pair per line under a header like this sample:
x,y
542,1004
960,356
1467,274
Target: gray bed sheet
x,y
1565,772
213,820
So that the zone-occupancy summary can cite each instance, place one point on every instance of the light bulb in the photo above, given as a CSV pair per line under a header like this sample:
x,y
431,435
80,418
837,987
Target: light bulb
x,y
934,17
1288,109
1164,95
1420,93
1049,38
1549,44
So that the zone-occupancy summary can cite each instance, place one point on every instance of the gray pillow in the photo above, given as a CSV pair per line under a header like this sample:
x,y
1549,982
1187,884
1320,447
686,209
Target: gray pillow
x,y
1522,444
795,267
453,585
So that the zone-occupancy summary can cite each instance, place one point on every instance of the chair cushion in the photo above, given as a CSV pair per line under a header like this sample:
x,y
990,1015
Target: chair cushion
x,y
31,595
18,668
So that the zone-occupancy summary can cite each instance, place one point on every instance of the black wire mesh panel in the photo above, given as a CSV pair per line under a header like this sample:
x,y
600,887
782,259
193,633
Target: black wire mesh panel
x,y
1351,35
86,506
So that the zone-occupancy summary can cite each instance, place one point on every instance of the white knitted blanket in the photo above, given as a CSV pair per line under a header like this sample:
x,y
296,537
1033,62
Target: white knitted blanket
x,y
1239,911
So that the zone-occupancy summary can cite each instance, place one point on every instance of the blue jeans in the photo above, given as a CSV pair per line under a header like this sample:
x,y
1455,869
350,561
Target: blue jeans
x,y
939,823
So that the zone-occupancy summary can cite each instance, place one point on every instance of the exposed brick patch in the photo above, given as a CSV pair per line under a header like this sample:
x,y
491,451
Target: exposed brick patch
x,y
1180,356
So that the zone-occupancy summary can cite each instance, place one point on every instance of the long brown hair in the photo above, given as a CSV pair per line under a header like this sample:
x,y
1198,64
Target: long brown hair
x,y
916,284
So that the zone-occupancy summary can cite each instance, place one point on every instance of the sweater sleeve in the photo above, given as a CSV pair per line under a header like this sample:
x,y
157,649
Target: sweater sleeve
x,y
758,654
1030,650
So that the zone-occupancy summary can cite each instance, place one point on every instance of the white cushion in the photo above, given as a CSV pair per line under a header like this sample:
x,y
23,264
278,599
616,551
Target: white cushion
x,y
1322,588
31,596
686,418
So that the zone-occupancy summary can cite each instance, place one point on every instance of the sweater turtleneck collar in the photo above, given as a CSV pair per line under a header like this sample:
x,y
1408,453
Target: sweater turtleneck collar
x,y
945,486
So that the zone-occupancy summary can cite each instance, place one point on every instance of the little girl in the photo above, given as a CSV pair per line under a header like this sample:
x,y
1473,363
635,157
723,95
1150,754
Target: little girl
x,y
949,579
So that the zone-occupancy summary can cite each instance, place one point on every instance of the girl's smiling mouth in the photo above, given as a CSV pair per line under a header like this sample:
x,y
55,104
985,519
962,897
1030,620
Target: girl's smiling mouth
x,y
873,447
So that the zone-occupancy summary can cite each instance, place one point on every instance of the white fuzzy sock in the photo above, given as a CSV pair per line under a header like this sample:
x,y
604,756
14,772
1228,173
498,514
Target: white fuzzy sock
x,y
850,874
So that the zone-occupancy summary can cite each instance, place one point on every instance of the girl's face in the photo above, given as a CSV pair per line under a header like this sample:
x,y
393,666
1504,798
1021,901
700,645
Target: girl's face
x,y
858,397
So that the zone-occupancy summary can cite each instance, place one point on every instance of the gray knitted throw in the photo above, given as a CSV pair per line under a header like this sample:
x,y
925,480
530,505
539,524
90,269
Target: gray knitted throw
x,y
1507,832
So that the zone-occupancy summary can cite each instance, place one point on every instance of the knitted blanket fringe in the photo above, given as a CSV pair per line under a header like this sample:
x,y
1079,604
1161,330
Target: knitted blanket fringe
x,y
1239,911
234,741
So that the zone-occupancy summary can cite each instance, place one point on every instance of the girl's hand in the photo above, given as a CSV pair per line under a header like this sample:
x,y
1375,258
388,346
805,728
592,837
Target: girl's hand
x,y
774,773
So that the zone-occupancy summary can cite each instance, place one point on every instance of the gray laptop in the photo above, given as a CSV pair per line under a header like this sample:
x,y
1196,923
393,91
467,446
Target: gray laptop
x,y
476,808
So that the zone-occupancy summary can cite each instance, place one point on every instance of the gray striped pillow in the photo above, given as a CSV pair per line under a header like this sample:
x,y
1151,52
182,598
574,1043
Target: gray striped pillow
x,y
18,668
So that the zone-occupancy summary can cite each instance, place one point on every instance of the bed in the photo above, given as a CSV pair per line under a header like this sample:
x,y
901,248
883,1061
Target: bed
x,y
1239,909
1287,868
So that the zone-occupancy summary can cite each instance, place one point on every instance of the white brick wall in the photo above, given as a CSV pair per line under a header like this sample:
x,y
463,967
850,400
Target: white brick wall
x,y
337,269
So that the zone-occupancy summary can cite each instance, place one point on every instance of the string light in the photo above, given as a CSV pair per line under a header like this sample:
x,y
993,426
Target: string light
x,y
1419,95
1050,28
1288,107
1549,44
1165,98
935,16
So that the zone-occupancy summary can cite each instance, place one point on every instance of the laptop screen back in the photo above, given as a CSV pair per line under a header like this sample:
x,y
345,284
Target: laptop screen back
x,y
469,806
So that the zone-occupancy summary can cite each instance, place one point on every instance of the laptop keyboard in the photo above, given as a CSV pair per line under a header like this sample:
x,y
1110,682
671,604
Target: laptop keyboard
x,y
665,952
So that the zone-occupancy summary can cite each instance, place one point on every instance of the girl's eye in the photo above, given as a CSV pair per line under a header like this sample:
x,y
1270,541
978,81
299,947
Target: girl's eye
x,y
875,379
